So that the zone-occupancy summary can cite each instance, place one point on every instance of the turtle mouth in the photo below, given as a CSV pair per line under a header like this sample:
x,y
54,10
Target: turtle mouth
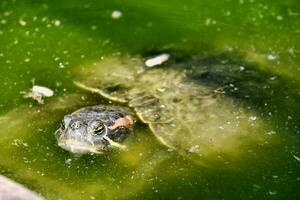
x,y
78,144
79,147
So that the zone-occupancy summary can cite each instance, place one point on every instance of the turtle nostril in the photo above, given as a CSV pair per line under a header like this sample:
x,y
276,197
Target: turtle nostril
x,y
75,125
62,125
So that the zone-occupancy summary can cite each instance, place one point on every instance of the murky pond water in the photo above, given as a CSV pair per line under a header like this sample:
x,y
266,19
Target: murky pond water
x,y
49,42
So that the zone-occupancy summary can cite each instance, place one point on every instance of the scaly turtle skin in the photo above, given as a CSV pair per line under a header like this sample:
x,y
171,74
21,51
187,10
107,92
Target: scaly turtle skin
x,y
94,129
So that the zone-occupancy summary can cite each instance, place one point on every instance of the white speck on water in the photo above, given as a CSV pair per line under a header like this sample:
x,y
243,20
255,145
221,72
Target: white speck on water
x,y
296,157
116,14
272,192
58,83
228,13
279,18
22,22
242,68
83,98
207,21
252,118
162,106
68,161
157,60
27,60
271,57
271,132
161,89
3,21
210,21
194,149
57,22
273,78
44,19
18,142
94,27
291,50
61,65
256,187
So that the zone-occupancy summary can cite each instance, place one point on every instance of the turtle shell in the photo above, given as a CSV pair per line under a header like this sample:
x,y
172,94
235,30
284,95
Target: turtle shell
x,y
188,103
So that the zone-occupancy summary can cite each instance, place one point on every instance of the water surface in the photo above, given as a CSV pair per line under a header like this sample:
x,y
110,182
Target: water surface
x,y
46,42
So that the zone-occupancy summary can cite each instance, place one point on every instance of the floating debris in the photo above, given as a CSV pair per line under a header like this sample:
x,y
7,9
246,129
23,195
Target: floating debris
x,y
252,118
68,161
158,60
38,92
271,57
279,18
61,65
18,143
22,22
94,27
194,149
116,14
3,21
271,132
272,192
42,90
57,22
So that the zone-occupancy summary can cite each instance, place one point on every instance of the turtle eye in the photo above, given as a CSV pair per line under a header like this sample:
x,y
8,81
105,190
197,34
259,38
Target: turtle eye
x,y
98,130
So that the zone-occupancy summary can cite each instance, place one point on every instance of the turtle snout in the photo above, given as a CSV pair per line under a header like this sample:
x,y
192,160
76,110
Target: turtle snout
x,y
76,137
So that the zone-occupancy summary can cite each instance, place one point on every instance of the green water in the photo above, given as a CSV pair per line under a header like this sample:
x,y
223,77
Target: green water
x,y
47,41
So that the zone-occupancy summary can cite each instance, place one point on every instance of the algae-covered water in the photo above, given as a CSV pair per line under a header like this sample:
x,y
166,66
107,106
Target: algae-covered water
x,y
48,42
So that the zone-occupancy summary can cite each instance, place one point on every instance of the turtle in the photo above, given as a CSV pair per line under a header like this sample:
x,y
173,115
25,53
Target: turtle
x,y
94,129
193,105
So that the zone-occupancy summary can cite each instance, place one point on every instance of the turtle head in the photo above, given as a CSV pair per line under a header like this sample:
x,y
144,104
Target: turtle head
x,y
91,132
